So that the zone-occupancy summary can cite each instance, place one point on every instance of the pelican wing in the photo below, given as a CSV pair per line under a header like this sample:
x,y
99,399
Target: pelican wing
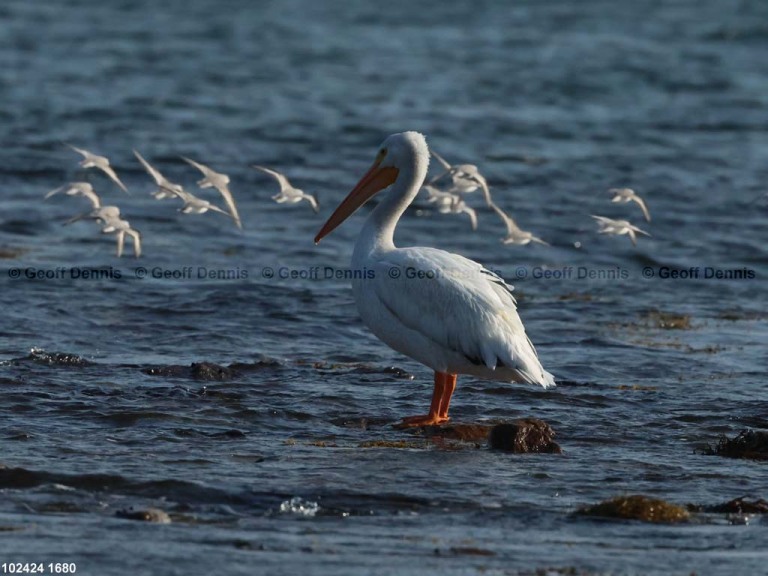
x,y
464,308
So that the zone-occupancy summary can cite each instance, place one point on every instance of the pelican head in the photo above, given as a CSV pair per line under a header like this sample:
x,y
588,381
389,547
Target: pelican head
x,y
406,151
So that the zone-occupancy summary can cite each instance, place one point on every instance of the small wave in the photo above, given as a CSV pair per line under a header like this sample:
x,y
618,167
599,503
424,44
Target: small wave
x,y
40,356
299,506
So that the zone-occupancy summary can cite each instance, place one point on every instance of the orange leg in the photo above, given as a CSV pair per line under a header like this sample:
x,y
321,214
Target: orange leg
x,y
445,384
445,400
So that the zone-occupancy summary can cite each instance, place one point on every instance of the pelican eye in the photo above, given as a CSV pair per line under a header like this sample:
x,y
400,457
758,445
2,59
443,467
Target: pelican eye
x,y
381,155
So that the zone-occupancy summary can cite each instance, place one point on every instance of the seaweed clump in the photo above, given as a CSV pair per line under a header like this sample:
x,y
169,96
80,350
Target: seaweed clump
x,y
524,436
669,320
749,444
637,507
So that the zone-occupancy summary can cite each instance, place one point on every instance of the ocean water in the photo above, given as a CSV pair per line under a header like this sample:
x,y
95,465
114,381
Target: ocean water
x,y
269,463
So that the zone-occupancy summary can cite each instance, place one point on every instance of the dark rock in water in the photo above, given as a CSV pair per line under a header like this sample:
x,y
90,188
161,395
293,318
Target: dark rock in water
x,y
637,507
523,436
463,432
173,371
205,371
740,506
147,515
257,366
208,371
749,444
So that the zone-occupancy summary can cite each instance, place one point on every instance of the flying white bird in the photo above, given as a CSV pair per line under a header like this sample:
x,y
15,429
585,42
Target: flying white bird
x,y
168,189
195,205
618,227
83,189
465,178
449,203
441,309
101,162
165,188
112,223
515,235
626,195
213,179
288,194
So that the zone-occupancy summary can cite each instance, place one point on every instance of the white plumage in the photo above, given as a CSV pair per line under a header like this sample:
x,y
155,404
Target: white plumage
x,y
441,309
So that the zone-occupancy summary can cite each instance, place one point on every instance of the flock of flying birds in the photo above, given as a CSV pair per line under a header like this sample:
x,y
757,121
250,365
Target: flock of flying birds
x,y
446,191
466,178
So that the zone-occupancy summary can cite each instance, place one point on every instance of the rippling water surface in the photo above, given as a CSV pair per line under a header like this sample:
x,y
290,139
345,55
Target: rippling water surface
x,y
262,458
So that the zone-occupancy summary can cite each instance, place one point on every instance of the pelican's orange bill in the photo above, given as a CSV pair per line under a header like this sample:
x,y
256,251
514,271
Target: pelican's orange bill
x,y
375,180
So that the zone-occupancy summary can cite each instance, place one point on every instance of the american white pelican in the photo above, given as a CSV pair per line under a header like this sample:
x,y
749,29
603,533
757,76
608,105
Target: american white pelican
x,y
219,181
78,189
449,203
515,235
618,227
91,160
441,309
626,195
287,192
465,178
109,216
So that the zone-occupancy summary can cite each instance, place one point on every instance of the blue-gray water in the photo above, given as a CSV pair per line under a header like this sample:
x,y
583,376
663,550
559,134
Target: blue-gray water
x,y
266,472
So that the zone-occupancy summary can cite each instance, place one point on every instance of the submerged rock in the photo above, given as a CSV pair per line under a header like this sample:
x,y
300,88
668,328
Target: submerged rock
x,y
56,358
739,506
749,444
637,507
147,515
520,437
462,432
206,371
210,372
400,444
524,436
